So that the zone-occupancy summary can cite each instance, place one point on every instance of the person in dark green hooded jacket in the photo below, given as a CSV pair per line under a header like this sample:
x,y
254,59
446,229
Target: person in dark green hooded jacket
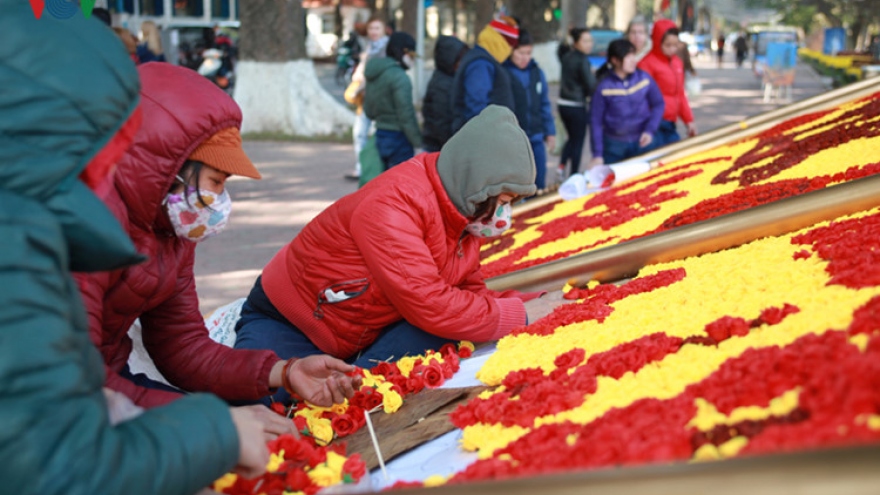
x,y
68,109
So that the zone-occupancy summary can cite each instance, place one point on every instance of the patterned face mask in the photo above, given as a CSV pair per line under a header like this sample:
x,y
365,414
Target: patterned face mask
x,y
195,220
494,226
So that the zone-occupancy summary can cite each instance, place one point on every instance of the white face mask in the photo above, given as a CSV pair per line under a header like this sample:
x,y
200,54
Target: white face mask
x,y
194,220
407,61
494,226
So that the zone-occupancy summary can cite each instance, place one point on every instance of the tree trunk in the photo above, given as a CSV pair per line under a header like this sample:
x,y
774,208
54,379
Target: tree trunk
x,y
531,14
272,30
574,14
624,11
409,23
276,85
483,12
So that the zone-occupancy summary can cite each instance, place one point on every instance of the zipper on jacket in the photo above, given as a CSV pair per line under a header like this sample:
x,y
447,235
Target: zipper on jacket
x,y
460,251
338,292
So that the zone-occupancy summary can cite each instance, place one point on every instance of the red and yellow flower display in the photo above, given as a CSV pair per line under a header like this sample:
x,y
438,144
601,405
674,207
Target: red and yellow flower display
x,y
799,155
384,387
296,466
772,346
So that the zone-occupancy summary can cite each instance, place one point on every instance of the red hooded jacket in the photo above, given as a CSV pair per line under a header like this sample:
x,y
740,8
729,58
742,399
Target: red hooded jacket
x,y
669,75
396,246
181,109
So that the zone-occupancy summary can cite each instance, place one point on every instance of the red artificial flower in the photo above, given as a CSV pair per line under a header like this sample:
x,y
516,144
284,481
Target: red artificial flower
x,y
433,375
343,425
570,359
355,467
279,408
372,399
385,369
297,480
465,352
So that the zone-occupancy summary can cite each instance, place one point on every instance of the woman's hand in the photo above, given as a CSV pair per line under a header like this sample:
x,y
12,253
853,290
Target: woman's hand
x,y
645,139
322,380
273,424
550,143
544,305
597,160
253,455
692,129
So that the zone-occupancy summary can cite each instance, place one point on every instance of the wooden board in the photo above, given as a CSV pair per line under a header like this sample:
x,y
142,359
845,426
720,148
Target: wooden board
x,y
423,417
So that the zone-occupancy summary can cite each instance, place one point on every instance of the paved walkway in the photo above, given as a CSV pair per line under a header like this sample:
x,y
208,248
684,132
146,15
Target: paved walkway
x,y
301,179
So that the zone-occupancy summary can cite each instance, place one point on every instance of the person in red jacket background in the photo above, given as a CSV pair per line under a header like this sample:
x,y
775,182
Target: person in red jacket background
x,y
394,268
667,70
169,193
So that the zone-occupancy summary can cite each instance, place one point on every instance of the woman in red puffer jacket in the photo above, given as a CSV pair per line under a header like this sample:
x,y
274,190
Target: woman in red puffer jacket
x,y
667,70
169,193
394,268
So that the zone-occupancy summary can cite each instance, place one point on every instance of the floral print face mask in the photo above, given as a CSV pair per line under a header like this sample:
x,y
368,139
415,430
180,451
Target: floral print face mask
x,y
195,219
494,226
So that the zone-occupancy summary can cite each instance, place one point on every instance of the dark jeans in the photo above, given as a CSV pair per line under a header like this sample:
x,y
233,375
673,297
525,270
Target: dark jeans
x,y
142,380
575,120
666,134
614,151
261,326
540,152
393,147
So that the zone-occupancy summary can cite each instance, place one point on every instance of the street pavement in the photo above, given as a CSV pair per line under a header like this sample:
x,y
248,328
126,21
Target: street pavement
x,y
300,179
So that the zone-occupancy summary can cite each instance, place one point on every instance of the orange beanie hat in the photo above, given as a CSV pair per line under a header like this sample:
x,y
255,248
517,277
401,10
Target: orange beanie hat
x,y
223,151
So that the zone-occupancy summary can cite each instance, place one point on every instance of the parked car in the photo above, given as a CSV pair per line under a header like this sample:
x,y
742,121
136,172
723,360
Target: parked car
x,y
601,39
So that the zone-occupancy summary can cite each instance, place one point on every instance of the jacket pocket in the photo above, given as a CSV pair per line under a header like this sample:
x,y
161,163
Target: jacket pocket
x,y
340,292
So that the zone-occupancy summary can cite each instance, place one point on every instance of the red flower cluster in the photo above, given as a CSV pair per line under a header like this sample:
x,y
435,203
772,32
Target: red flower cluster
x,y
618,204
776,152
755,195
597,302
838,385
300,456
729,326
852,249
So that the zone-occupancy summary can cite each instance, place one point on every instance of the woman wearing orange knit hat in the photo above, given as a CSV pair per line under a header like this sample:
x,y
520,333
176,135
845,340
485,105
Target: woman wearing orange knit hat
x,y
169,193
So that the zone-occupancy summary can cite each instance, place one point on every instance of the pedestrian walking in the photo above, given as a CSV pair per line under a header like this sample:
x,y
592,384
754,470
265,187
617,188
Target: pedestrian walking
x,y
388,101
437,104
719,48
667,70
637,34
741,45
576,86
480,80
626,109
377,40
532,104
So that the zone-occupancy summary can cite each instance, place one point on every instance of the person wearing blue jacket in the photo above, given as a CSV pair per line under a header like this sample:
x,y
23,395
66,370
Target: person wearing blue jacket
x,y
627,107
532,104
480,80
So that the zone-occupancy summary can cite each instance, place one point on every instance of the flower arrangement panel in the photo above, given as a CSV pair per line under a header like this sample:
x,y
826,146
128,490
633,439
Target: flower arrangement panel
x,y
799,155
772,346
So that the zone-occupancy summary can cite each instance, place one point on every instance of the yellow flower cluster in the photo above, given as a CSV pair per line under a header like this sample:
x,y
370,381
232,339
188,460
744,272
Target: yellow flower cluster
x,y
739,282
855,153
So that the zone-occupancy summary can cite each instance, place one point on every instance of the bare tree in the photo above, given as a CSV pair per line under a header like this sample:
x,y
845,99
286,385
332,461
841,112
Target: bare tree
x,y
532,14
276,85
408,23
272,30
483,12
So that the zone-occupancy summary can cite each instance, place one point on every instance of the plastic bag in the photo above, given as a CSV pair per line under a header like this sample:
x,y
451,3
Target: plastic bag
x,y
371,162
692,85
596,179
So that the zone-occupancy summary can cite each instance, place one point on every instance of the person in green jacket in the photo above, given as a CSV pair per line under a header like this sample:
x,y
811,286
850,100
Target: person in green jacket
x,y
388,101
68,109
